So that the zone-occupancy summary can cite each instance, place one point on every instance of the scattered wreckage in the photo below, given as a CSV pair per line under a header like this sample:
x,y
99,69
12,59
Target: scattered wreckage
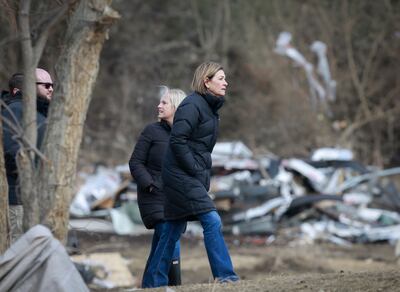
x,y
327,197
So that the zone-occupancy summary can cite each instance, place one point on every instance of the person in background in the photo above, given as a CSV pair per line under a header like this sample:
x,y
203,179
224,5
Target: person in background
x,y
13,113
186,175
145,165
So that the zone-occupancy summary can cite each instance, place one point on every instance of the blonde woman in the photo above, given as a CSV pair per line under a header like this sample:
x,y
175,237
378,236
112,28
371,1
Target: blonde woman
x,y
145,165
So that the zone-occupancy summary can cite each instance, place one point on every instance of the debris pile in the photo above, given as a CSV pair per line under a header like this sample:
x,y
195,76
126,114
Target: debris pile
x,y
329,196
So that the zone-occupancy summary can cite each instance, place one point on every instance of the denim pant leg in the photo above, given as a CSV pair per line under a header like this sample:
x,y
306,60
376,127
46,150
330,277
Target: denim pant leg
x,y
177,251
218,255
158,267
156,238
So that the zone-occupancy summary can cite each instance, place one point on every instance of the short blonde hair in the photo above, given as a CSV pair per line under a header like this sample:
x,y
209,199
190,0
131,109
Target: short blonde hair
x,y
176,96
203,72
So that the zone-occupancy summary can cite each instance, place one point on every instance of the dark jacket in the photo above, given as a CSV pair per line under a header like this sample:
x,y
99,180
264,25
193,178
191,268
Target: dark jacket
x,y
11,146
145,165
187,163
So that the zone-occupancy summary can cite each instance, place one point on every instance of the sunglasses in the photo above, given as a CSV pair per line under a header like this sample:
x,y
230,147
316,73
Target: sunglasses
x,y
46,84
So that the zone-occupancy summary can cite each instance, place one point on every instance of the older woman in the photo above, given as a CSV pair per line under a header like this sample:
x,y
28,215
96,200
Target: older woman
x,y
186,176
145,165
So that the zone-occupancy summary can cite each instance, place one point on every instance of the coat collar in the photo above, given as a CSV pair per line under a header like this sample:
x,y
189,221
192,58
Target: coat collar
x,y
42,104
8,98
213,101
165,125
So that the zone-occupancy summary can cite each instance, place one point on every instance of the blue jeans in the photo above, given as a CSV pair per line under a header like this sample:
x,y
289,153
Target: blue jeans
x,y
158,230
217,252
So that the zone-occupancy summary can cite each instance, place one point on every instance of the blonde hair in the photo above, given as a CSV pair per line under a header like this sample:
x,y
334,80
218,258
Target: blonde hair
x,y
203,72
175,95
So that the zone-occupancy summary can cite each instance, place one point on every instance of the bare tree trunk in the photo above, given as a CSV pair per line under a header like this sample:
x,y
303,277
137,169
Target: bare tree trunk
x,y
25,159
77,71
32,50
4,220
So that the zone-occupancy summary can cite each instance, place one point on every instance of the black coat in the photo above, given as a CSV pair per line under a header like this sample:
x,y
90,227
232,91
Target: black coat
x,y
11,145
145,165
187,164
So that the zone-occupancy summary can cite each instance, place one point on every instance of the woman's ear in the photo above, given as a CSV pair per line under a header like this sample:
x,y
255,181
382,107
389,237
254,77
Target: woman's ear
x,y
206,80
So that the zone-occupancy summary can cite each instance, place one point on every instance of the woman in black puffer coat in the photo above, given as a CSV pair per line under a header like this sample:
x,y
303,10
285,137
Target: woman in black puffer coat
x,y
145,165
186,177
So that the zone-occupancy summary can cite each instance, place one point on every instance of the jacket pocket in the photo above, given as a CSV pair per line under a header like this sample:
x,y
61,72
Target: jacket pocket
x,y
158,183
204,177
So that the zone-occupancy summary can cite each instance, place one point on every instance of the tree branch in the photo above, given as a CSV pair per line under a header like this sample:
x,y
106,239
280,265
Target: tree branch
x,y
370,58
352,65
357,125
199,24
50,22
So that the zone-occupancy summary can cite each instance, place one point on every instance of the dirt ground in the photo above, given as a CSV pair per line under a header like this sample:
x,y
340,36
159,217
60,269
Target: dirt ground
x,y
278,266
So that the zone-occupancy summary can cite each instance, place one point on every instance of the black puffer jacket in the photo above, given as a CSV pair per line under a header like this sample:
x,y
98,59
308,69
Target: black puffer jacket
x,y
187,164
11,145
145,165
